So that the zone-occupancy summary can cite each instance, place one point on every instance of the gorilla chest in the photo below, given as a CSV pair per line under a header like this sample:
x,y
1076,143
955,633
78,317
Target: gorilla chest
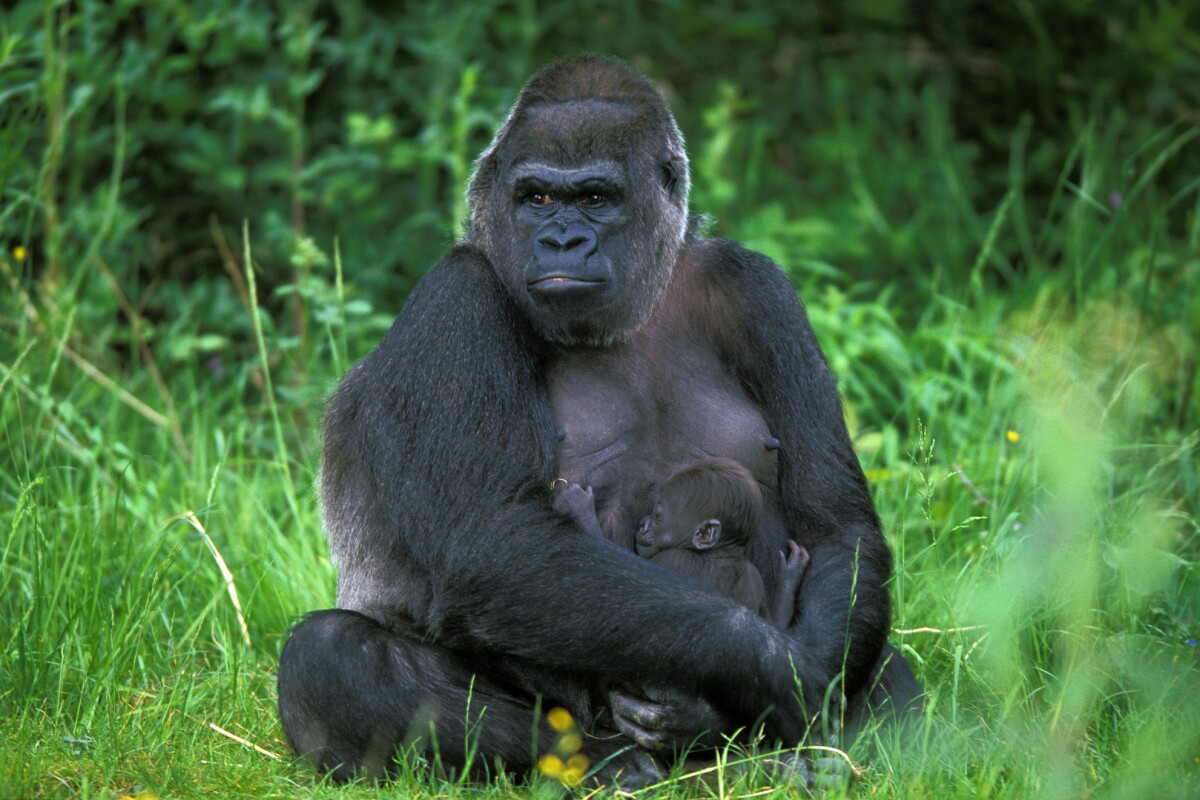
x,y
629,416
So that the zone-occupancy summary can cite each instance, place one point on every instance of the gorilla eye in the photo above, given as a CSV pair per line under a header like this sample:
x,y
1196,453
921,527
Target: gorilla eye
x,y
593,200
539,199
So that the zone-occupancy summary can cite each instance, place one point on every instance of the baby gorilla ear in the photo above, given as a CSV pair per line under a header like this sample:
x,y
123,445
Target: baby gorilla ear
x,y
707,534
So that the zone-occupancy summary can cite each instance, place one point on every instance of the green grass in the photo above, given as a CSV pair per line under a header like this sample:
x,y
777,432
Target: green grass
x,y
1046,586
1022,387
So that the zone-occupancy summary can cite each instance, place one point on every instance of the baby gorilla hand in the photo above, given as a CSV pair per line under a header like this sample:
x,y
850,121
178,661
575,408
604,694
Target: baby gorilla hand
x,y
795,562
786,604
578,503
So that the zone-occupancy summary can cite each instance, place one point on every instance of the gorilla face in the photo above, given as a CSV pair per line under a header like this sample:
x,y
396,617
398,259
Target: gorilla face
x,y
586,248
676,523
572,219
580,203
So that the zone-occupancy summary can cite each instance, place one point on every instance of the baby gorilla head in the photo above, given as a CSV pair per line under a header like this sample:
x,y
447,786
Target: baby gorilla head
x,y
709,504
705,516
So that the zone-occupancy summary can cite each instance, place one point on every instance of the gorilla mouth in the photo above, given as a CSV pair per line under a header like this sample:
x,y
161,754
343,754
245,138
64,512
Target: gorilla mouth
x,y
556,283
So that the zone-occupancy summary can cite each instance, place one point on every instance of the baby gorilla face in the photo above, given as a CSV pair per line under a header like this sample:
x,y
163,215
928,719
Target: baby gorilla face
x,y
673,524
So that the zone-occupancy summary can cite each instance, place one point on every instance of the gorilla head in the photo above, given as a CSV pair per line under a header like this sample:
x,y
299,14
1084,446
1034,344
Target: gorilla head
x,y
707,505
580,201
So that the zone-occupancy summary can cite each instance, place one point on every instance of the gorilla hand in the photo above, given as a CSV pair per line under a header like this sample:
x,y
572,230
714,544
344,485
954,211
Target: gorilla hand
x,y
578,503
663,720
574,500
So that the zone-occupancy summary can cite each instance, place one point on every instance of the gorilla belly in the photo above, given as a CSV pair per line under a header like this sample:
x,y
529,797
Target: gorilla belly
x,y
629,416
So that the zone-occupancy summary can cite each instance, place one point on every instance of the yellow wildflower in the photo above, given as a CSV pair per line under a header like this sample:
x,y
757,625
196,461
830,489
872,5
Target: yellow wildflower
x,y
560,719
550,765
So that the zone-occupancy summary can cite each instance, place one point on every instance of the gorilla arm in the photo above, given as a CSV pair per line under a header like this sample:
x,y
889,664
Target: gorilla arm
x,y
827,508
762,334
439,453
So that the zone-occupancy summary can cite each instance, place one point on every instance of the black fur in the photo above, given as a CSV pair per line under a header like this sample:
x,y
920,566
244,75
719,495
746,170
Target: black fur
x,y
465,600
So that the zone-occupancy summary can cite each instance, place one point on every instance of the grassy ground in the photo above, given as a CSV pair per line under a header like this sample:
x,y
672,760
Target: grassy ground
x,y
1030,430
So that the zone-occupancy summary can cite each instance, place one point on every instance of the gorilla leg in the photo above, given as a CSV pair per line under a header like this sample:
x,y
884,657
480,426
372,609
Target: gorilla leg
x,y
892,694
892,697
354,694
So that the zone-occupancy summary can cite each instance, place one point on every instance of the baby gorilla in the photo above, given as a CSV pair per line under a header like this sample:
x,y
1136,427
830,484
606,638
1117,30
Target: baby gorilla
x,y
705,517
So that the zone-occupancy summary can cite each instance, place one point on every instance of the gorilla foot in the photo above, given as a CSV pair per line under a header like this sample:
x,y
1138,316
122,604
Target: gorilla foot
x,y
628,768
816,770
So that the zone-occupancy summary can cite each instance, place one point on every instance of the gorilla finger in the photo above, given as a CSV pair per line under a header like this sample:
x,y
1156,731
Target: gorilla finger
x,y
636,709
788,557
630,769
652,740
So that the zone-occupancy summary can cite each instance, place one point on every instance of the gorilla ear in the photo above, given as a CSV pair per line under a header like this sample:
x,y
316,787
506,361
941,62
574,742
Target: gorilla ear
x,y
672,169
707,534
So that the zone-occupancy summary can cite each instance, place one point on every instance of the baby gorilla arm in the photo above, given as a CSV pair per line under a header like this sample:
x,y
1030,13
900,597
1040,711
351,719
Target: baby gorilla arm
x,y
577,503
787,595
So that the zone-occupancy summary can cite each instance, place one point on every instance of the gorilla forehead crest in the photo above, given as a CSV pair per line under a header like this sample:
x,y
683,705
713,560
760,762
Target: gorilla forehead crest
x,y
588,109
584,131
593,107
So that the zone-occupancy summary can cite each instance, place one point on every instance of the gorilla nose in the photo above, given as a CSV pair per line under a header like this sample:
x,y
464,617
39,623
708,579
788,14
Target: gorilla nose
x,y
645,536
564,270
561,241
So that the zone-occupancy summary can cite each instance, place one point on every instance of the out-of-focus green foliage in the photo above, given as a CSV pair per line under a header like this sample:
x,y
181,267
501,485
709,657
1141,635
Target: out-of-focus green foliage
x,y
868,146
358,121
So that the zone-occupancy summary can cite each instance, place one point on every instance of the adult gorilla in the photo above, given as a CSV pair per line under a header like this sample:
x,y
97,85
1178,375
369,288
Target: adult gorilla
x,y
581,332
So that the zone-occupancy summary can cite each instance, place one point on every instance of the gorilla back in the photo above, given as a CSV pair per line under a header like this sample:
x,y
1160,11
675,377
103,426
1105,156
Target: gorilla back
x,y
580,332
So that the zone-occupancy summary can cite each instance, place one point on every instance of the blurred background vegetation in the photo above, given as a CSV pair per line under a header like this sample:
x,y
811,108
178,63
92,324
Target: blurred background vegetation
x,y
866,143
209,209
